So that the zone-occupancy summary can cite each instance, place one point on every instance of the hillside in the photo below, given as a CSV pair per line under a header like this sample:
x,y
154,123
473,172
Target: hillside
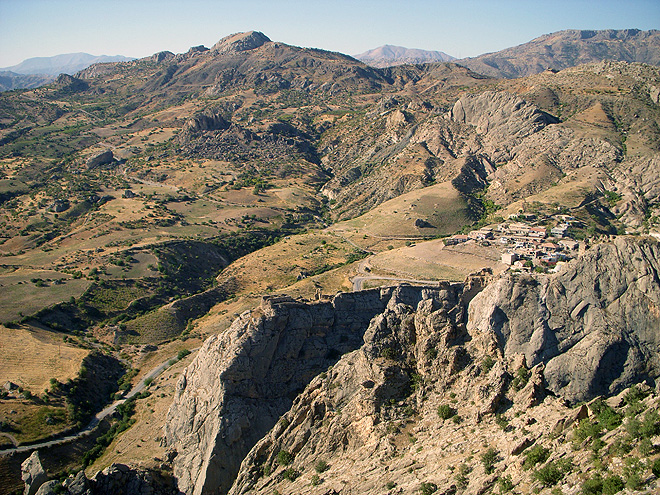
x,y
241,195
564,49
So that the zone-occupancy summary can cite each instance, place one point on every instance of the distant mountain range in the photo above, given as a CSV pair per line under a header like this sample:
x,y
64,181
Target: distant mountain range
x,y
568,48
37,71
389,55
555,51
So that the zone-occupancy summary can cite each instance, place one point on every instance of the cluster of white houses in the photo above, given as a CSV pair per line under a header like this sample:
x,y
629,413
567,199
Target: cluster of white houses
x,y
522,242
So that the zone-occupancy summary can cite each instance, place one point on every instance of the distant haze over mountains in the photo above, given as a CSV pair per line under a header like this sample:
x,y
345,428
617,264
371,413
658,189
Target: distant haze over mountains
x,y
68,63
389,55
37,71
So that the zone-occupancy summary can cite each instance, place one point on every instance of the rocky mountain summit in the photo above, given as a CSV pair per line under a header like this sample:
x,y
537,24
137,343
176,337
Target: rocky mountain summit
x,y
329,380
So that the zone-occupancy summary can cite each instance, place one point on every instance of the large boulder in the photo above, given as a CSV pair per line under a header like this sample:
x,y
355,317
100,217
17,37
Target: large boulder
x,y
33,474
104,158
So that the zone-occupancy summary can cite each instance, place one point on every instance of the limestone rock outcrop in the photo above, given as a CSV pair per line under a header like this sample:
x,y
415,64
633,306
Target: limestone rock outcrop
x,y
594,325
314,380
240,42
103,158
243,380
33,474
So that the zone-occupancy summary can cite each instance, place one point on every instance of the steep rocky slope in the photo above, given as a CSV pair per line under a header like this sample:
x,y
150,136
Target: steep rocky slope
x,y
529,135
569,48
358,377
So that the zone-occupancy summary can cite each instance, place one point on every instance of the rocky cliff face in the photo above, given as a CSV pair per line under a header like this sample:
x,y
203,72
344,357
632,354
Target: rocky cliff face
x,y
243,380
594,325
346,376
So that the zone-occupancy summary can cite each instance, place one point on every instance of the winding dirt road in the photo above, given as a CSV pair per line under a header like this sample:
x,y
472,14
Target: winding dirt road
x,y
99,416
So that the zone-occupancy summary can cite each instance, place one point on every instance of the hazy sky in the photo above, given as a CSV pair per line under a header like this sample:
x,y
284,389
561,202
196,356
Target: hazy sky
x,y
462,28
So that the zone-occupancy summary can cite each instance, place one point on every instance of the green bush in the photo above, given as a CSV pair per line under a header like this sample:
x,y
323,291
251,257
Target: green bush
x,y
634,395
655,468
488,460
521,379
501,421
535,455
182,353
291,474
612,484
593,486
284,458
316,480
553,472
650,425
587,429
445,411
321,466
486,364
428,488
605,415
505,484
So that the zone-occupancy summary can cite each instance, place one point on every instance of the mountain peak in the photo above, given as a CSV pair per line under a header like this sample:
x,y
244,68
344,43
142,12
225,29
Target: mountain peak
x,y
240,42
389,55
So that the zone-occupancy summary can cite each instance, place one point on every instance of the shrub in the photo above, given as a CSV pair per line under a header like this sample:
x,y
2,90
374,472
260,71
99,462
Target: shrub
x,y
316,480
620,447
505,484
606,416
593,486
522,376
612,484
486,364
445,411
535,455
655,468
388,353
488,460
321,466
553,472
428,488
501,421
587,429
633,427
548,475
291,474
390,484
284,458
634,395
650,425
182,353
645,447
461,477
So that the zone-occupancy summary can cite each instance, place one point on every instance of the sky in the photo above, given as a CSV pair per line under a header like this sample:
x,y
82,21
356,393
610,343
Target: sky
x,y
461,28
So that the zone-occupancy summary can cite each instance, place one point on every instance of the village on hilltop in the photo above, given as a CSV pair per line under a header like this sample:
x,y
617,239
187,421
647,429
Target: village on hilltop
x,y
527,246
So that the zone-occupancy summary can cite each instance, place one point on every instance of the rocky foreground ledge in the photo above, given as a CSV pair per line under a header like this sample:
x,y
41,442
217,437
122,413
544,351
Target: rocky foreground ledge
x,y
357,381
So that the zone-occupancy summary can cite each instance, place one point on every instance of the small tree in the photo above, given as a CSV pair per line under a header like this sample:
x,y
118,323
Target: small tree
x,y
488,460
